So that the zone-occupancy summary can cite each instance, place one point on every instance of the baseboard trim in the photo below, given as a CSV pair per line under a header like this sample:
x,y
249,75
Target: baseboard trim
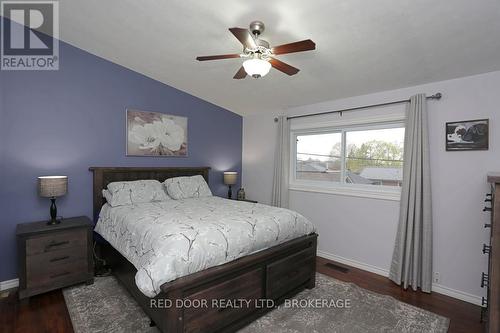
x,y
9,284
463,296
438,288
354,263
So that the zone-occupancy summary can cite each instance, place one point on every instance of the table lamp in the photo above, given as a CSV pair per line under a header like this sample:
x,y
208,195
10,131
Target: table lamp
x,y
230,178
52,187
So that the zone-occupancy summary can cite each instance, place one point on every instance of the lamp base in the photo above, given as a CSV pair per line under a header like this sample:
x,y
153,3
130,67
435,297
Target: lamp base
x,y
53,212
53,222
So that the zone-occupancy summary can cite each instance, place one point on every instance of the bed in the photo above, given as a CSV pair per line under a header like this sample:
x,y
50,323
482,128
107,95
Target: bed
x,y
175,304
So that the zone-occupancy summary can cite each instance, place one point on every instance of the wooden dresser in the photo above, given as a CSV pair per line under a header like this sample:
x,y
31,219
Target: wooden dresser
x,y
491,279
54,256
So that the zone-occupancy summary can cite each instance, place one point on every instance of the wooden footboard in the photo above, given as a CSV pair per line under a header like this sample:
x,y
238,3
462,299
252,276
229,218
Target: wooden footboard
x,y
227,297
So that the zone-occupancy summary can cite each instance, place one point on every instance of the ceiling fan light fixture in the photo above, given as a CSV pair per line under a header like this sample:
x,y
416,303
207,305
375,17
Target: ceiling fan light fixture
x,y
256,67
258,55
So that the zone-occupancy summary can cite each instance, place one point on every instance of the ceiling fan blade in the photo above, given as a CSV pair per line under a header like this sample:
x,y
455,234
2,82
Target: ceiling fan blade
x,y
283,67
244,36
304,45
217,57
240,74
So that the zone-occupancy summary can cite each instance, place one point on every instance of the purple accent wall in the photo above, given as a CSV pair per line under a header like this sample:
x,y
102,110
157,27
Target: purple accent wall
x,y
63,122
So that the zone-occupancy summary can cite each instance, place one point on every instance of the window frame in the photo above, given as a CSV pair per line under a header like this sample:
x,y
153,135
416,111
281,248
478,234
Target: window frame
x,y
341,188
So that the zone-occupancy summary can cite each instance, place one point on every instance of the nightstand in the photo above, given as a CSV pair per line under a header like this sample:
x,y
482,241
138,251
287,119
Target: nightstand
x,y
54,256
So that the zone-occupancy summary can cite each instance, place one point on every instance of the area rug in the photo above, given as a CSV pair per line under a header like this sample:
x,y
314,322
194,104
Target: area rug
x,y
333,306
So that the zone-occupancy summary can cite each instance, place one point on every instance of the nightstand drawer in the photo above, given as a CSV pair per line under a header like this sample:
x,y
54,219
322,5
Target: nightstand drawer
x,y
56,241
56,261
64,276
50,267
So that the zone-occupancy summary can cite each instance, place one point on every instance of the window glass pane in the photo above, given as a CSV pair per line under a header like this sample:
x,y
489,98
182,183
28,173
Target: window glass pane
x,y
375,157
319,157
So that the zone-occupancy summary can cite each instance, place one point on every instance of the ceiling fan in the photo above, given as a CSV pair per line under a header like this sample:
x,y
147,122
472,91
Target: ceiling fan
x,y
258,55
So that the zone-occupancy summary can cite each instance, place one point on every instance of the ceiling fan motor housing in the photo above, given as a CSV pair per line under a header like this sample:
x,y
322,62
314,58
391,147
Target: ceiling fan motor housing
x,y
257,27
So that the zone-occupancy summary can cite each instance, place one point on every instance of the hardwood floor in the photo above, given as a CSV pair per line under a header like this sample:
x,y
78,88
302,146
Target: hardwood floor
x,y
48,313
464,317
43,313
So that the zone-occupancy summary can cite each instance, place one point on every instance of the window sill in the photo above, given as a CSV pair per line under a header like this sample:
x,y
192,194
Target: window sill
x,y
351,191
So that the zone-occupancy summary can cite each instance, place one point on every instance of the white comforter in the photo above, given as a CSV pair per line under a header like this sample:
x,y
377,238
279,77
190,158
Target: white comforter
x,y
174,238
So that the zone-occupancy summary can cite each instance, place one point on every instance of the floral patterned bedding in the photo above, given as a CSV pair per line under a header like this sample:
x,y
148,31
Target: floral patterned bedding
x,y
170,239
187,187
139,191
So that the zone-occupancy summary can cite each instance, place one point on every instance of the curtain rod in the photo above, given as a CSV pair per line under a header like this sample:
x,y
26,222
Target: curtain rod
x,y
435,96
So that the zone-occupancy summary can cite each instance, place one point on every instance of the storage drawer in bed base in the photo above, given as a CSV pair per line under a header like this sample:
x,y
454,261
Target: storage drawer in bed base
x,y
275,273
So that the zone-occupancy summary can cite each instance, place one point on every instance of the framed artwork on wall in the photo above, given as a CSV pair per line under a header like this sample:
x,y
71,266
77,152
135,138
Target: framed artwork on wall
x,y
156,134
467,135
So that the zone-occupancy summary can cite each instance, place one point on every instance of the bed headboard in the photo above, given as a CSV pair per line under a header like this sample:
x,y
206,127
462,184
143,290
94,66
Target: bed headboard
x,y
105,175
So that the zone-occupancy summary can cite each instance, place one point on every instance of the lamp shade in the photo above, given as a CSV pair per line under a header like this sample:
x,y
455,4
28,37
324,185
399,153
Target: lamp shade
x,y
52,186
256,67
230,177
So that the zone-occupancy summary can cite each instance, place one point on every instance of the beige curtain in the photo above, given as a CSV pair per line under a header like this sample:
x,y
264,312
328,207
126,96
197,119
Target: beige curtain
x,y
281,164
412,257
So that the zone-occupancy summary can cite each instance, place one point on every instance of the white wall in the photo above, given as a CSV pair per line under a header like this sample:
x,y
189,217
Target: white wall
x,y
361,231
259,141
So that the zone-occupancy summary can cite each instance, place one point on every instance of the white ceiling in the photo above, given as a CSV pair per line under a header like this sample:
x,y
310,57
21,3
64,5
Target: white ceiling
x,y
361,46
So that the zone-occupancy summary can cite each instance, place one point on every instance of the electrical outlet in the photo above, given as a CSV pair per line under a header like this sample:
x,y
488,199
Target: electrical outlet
x,y
436,277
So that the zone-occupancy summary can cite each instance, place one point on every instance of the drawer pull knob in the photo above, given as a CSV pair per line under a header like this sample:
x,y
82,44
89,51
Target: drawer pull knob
x,y
59,275
52,244
487,209
487,225
59,258
484,280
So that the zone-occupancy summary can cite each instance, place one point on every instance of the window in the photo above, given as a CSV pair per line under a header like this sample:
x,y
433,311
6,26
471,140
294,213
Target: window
x,y
375,157
366,158
319,157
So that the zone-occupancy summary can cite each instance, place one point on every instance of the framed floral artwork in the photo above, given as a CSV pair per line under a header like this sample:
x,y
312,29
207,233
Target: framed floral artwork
x,y
156,134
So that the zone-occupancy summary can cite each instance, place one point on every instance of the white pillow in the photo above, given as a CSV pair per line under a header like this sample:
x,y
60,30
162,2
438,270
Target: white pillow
x,y
187,187
108,196
132,192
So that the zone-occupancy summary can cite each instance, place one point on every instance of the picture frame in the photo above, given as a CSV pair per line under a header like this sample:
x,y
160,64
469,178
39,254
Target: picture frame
x,y
156,134
467,135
